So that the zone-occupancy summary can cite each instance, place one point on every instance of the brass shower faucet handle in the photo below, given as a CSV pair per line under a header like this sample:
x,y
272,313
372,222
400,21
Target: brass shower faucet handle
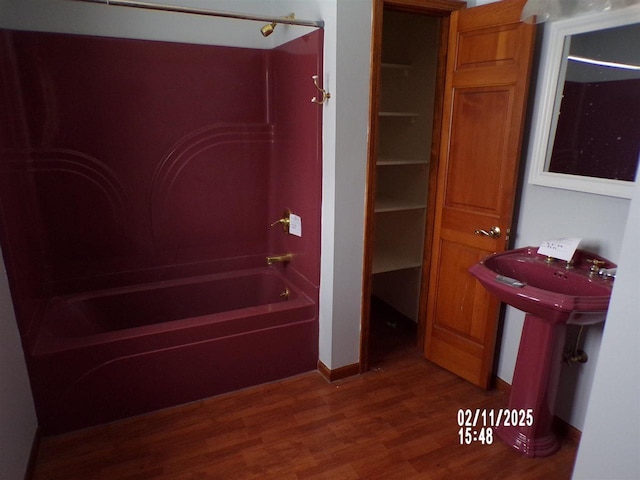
x,y
284,221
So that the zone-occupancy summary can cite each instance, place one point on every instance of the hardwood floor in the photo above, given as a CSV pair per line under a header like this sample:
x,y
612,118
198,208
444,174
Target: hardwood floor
x,y
398,421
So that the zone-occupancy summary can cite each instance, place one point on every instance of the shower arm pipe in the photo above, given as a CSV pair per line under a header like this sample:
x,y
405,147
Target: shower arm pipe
x,y
211,13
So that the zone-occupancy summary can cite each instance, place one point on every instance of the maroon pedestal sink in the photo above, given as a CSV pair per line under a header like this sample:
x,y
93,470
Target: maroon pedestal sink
x,y
553,295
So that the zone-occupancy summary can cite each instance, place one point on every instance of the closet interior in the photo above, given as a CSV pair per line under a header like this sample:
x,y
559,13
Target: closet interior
x,y
409,57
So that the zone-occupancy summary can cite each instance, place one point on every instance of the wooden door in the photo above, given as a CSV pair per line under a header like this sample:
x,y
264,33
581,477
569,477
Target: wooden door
x,y
488,64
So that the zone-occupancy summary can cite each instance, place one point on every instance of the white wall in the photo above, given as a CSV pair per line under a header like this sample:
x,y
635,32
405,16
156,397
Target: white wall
x,y
65,16
345,160
611,435
17,414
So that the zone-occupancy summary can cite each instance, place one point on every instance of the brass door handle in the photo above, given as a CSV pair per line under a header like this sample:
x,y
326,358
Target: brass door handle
x,y
494,232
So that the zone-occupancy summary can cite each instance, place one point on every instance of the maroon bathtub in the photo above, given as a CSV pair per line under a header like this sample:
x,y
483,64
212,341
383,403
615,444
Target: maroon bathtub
x,y
136,194
117,352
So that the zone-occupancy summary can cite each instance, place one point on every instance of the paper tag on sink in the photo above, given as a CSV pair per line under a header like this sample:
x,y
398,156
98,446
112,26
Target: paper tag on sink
x,y
562,248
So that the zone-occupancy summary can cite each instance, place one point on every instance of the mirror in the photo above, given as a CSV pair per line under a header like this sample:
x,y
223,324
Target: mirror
x,y
586,130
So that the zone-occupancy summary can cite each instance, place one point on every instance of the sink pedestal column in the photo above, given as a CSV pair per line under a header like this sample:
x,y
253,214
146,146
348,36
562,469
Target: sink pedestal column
x,y
535,385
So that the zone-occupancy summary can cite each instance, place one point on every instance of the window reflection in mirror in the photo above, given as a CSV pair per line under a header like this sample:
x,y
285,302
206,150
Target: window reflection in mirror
x,y
597,130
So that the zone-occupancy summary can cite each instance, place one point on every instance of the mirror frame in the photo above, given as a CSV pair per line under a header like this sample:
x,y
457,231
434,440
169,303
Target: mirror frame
x,y
552,68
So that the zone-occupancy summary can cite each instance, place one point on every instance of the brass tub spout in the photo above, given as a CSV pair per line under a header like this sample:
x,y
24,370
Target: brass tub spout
x,y
286,258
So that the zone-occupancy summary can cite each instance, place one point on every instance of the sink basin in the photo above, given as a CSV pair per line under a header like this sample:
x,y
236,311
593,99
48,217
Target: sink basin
x,y
525,280
553,297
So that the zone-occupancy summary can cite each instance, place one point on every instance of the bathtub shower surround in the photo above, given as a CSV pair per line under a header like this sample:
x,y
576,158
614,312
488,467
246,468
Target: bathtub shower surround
x,y
138,180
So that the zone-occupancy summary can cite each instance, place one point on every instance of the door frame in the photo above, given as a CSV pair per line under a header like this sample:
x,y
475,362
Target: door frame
x,y
436,8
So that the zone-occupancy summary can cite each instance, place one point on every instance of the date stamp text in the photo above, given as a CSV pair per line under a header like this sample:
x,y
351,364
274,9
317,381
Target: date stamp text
x,y
476,425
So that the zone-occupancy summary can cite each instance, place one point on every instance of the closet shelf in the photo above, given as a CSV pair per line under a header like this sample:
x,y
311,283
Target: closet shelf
x,y
401,161
399,114
391,261
397,66
396,205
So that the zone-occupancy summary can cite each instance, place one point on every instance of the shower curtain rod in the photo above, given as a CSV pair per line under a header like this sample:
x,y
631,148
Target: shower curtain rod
x,y
211,13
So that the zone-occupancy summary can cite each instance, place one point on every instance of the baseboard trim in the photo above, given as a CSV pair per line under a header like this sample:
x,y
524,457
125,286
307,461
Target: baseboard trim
x,y
33,456
562,428
338,373
502,386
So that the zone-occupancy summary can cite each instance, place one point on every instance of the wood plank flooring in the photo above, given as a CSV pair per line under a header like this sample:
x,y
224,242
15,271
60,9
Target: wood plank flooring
x,y
398,421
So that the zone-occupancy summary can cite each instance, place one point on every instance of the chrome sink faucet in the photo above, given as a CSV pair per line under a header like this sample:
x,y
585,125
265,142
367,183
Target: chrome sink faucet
x,y
607,273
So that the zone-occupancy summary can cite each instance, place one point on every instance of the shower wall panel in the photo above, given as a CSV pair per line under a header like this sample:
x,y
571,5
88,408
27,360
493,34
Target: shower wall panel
x,y
296,167
143,153
126,155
